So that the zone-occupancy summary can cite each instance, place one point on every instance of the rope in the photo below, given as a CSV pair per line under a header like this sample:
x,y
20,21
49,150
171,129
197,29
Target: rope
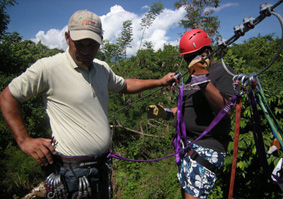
x,y
235,151
258,135
267,112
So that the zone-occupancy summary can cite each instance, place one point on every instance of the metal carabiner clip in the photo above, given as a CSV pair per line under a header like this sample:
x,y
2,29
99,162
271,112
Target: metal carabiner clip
x,y
87,186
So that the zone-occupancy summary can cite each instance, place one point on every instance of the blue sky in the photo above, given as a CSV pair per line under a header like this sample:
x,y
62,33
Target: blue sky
x,y
47,20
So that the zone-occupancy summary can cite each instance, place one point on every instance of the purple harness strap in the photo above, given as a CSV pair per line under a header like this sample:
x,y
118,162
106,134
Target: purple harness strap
x,y
177,141
180,133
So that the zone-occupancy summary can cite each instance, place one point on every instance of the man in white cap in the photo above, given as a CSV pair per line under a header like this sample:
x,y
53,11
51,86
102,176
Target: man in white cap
x,y
74,86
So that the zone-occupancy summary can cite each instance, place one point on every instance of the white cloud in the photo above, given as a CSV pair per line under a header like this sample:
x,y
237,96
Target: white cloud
x,y
53,38
112,24
146,7
220,7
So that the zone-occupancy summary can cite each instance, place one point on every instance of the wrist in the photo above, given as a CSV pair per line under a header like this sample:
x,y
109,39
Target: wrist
x,y
22,140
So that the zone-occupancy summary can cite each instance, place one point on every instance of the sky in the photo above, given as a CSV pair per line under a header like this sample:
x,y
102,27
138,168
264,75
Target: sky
x,y
46,21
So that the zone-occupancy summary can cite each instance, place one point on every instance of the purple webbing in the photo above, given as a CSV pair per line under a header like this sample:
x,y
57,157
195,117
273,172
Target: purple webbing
x,y
180,133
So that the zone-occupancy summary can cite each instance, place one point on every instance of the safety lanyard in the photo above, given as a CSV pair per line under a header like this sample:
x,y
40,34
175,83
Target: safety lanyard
x,y
180,133
258,135
235,150
275,128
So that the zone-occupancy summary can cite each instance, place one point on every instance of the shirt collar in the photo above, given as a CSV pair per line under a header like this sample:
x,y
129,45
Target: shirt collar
x,y
72,62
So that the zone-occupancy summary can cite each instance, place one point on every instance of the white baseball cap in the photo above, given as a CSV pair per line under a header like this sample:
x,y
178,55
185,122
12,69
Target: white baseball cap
x,y
84,24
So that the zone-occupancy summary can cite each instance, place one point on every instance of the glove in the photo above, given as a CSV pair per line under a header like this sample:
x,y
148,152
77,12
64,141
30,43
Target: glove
x,y
199,66
158,111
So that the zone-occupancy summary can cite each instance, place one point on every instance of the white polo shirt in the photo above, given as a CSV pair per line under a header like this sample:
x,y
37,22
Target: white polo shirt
x,y
76,101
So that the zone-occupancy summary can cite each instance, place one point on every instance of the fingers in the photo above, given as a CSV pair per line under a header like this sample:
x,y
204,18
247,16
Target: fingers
x,y
170,78
43,157
40,149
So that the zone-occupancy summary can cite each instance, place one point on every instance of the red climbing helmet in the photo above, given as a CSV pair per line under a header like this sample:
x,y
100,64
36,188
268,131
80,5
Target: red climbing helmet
x,y
193,40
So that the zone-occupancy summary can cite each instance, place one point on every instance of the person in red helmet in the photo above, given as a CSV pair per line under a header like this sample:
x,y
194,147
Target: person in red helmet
x,y
205,93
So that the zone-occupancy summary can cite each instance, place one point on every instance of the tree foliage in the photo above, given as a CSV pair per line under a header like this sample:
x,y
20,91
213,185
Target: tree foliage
x,y
4,17
126,36
199,15
149,18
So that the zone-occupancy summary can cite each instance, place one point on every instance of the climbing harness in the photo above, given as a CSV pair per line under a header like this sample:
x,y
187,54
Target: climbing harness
x,y
78,177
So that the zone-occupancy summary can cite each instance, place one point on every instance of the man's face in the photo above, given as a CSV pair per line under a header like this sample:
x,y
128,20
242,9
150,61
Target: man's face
x,y
82,51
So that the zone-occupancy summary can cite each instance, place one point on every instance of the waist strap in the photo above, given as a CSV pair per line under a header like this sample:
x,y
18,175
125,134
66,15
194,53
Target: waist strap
x,y
201,160
84,158
83,161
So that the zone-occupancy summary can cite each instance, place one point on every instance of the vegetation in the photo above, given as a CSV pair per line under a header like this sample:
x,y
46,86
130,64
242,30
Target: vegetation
x,y
134,134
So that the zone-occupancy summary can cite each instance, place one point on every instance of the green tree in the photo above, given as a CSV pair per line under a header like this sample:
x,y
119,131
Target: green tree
x,y
4,17
199,15
149,18
110,52
126,36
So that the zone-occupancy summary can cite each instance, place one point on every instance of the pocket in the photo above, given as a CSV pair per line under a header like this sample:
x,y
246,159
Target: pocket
x,y
93,175
71,178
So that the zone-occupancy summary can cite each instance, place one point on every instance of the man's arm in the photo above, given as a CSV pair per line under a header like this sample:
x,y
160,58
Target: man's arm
x,y
40,149
138,85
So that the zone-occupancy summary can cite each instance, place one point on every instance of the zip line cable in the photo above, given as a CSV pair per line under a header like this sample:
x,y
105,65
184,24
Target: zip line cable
x,y
249,23
272,61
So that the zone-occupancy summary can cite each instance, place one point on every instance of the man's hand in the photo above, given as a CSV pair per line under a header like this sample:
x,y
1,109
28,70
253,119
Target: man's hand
x,y
199,66
168,79
40,149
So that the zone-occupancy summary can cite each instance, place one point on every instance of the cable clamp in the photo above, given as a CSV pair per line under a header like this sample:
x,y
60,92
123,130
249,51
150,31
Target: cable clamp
x,y
265,9
249,22
239,30
222,43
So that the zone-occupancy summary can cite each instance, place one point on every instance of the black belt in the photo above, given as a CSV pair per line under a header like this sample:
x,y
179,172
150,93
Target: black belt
x,y
83,161
201,160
